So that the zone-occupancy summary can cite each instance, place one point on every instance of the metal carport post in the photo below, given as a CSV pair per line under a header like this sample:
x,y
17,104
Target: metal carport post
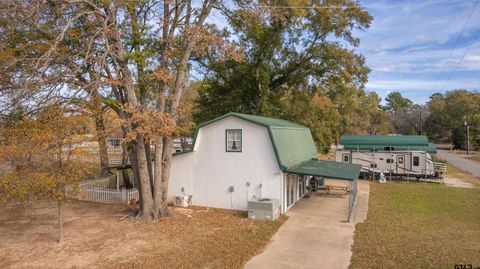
x,y
352,195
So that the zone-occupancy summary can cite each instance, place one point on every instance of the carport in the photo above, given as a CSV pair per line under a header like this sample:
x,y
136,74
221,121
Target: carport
x,y
333,170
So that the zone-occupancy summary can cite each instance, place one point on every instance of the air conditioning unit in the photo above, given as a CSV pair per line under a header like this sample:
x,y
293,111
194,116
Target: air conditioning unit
x,y
263,209
182,200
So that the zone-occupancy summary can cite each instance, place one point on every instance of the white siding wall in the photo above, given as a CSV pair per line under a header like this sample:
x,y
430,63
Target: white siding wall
x,y
209,171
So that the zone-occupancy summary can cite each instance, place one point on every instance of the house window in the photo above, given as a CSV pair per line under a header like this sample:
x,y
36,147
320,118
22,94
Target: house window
x,y
234,140
115,143
416,161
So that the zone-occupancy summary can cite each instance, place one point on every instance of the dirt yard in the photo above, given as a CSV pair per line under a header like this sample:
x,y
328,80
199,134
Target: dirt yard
x,y
99,236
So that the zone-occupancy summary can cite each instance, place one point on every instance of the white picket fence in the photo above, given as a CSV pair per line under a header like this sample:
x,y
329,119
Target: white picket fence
x,y
98,190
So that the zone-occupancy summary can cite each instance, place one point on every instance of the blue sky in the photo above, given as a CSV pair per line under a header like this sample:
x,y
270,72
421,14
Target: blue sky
x,y
410,47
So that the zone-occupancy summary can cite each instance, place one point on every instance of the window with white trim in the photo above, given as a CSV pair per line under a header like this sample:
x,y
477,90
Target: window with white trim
x,y
234,140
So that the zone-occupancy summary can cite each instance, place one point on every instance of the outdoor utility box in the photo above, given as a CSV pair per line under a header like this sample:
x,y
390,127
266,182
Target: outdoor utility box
x,y
263,209
182,200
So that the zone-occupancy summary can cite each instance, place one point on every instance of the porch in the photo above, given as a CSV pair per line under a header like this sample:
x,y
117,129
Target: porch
x,y
296,179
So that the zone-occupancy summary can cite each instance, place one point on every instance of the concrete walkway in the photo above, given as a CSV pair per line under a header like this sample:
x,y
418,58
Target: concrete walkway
x,y
462,163
316,234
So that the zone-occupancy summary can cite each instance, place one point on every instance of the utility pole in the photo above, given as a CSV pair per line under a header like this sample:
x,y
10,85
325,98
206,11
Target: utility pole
x,y
421,123
468,136
468,140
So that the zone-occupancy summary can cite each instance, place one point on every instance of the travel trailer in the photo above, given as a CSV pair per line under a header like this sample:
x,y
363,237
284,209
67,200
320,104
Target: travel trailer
x,y
404,156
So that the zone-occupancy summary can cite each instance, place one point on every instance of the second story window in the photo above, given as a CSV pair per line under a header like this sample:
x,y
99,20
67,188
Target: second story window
x,y
115,143
234,140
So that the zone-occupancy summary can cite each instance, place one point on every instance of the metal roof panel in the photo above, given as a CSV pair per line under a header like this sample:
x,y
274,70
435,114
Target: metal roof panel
x,y
328,169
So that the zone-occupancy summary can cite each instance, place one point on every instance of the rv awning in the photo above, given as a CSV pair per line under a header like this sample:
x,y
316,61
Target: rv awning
x,y
328,169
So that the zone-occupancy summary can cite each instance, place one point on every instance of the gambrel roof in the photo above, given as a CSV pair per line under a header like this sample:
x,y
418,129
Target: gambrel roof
x,y
294,148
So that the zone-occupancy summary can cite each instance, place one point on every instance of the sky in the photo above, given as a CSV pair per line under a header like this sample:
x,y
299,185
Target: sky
x,y
419,47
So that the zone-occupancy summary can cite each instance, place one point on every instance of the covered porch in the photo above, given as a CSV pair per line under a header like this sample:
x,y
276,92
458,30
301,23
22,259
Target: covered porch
x,y
316,234
297,178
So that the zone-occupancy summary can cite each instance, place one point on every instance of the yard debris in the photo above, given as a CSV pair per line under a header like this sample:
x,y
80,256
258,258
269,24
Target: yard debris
x,y
123,218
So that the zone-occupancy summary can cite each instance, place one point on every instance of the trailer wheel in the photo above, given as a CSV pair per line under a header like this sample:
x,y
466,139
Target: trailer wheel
x,y
365,177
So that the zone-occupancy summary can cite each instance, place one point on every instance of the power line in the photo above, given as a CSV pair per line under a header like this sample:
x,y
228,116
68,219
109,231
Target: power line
x,y
321,6
456,43
461,59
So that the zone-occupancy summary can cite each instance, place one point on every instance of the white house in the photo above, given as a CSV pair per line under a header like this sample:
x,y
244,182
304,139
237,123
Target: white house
x,y
237,157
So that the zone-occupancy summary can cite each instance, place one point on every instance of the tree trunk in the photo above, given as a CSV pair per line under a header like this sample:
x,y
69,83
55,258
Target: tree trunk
x,y
126,155
166,164
158,189
102,141
125,175
149,165
96,107
147,207
60,221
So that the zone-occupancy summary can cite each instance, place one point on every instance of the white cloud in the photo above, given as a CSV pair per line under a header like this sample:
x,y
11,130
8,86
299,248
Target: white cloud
x,y
420,85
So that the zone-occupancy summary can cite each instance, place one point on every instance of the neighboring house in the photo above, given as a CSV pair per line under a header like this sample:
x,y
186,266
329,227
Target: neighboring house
x,y
237,157
115,143
182,143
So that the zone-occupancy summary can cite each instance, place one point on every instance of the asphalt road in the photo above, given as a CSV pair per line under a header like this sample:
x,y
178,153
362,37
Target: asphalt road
x,y
460,162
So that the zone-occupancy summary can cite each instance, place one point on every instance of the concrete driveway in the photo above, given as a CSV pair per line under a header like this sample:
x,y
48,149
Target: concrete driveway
x,y
460,162
316,234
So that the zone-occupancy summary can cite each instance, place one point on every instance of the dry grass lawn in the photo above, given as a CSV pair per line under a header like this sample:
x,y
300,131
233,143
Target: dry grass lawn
x,y
418,225
97,237
462,175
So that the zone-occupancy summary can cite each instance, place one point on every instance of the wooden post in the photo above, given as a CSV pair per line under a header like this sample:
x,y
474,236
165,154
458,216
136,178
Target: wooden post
x,y
124,196
60,221
117,177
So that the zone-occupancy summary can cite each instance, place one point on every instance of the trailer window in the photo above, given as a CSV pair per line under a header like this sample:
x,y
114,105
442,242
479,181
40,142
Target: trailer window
x,y
389,160
373,165
400,159
346,158
416,161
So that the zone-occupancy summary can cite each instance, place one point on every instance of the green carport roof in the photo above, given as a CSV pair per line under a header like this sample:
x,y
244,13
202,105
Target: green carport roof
x,y
328,169
393,140
431,148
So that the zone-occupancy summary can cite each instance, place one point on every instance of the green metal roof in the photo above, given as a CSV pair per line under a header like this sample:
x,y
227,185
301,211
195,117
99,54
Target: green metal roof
x,y
265,121
328,169
292,146
391,140
430,148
